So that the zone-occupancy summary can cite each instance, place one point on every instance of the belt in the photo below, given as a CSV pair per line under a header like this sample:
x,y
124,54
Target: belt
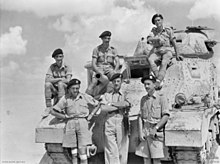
x,y
76,118
114,111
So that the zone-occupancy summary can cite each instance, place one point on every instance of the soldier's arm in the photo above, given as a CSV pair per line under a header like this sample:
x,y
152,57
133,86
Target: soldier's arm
x,y
58,109
57,114
105,105
140,128
151,38
67,79
68,75
117,63
162,122
164,112
173,42
51,79
94,60
121,104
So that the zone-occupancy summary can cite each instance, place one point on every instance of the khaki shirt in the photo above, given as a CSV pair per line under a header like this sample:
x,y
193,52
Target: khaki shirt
x,y
105,58
166,35
78,107
113,97
153,108
59,72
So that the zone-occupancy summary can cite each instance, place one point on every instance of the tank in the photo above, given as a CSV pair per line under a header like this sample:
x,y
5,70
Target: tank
x,y
192,92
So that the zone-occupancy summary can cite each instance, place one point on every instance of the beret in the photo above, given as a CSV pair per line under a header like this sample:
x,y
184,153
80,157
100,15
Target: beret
x,y
105,33
115,76
149,77
73,82
155,16
56,52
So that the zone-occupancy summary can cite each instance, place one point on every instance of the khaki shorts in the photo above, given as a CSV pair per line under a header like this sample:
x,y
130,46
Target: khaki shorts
x,y
151,147
77,133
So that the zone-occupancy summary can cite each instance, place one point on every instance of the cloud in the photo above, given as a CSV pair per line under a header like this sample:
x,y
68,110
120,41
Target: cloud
x,y
205,9
167,2
44,8
9,71
12,42
126,24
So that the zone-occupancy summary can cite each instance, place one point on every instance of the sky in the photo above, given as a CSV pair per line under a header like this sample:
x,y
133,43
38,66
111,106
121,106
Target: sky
x,y
30,30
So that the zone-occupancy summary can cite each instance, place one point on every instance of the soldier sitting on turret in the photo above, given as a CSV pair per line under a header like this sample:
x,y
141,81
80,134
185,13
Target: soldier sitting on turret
x,y
105,63
74,108
163,41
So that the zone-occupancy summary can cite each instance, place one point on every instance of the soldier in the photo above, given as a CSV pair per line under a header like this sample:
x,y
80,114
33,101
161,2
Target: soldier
x,y
163,41
154,113
105,63
57,77
74,108
116,138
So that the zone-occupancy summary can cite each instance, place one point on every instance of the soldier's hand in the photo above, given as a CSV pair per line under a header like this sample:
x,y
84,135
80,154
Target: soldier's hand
x,y
142,136
67,117
89,117
179,58
153,132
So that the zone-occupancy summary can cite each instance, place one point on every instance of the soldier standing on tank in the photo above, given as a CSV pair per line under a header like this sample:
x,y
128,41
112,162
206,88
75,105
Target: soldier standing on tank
x,y
57,77
163,42
74,108
154,113
116,136
105,63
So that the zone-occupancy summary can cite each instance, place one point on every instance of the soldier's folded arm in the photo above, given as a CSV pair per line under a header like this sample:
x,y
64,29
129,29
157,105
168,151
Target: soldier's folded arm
x,y
51,79
58,109
67,79
57,114
121,104
108,107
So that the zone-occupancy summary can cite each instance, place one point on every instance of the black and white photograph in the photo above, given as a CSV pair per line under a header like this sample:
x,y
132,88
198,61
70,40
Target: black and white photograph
x,y
110,81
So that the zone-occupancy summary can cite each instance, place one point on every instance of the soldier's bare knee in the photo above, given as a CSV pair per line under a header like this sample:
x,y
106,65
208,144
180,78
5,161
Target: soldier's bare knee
x,y
83,153
61,84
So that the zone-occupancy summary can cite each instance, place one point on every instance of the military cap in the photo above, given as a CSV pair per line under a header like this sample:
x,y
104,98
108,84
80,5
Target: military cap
x,y
115,76
73,82
105,33
149,77
56,52
155,16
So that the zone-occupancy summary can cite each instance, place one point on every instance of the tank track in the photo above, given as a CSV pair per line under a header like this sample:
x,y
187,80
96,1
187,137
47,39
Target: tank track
x,y
202,155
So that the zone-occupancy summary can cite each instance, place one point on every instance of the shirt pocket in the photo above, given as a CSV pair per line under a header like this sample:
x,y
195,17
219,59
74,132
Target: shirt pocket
x,y
110,58
70,109
156,112
101,57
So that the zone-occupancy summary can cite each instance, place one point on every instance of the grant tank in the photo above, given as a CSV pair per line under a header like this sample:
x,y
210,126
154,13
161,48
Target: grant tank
x,y
191,88
192,92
